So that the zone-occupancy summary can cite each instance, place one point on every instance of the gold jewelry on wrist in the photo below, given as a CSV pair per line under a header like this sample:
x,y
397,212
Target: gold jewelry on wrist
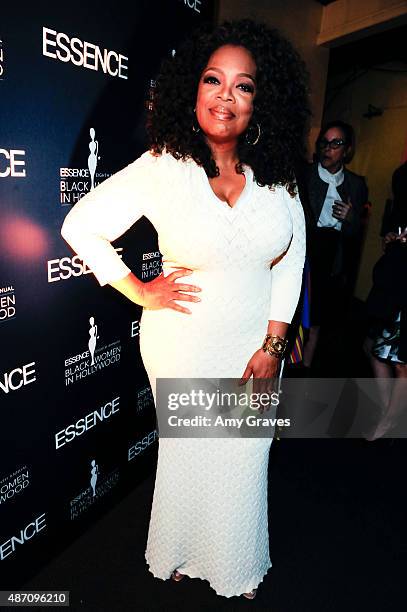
x,y
274,345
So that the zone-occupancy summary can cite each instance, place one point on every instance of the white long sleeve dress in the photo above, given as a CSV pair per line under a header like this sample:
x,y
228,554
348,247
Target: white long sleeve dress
x,y
209,512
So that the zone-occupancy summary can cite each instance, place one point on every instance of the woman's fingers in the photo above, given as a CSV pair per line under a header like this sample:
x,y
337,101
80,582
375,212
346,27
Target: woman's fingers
x,y
246,375
186,297
175,306
163,290
181,287
178,287
260,384
178,273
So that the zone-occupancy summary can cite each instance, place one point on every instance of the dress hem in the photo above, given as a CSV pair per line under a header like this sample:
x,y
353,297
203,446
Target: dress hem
x,y
253,584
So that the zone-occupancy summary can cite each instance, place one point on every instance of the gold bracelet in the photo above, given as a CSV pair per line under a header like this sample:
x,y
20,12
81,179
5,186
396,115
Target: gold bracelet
x,y
274,345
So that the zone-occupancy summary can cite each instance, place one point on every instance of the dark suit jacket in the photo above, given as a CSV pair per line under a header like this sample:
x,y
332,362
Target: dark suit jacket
x,y
353,187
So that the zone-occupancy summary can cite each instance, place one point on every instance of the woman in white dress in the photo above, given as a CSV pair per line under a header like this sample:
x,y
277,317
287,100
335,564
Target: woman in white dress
x,y
218,183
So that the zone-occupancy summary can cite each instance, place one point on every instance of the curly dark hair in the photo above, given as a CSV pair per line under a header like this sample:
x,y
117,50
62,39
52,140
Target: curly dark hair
x,y
281,104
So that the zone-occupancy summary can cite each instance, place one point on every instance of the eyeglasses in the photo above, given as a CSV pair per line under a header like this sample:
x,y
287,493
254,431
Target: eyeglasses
x,y
335,143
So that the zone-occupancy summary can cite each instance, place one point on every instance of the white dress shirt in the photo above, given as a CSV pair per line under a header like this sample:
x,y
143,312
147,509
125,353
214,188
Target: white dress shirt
x,y
326,219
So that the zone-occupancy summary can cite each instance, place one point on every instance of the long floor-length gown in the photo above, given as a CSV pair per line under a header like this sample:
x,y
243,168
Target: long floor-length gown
x,y
209,513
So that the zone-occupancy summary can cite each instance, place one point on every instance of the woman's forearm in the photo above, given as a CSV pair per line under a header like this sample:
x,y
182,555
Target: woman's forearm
x,y
277,328
131,287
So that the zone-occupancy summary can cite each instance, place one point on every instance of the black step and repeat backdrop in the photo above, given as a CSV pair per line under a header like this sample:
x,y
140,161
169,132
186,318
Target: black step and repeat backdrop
x,y
77,419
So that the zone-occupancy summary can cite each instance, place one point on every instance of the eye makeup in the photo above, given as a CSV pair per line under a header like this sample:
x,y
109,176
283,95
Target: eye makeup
x,y
246,87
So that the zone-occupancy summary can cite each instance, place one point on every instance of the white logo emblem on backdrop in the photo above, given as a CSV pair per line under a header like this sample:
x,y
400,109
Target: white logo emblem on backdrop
x,y
94,359
86,498
93,331
74,183
1,60
93,157
94,476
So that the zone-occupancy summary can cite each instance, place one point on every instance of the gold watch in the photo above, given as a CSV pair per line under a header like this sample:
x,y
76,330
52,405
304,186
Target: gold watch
x,y
274,345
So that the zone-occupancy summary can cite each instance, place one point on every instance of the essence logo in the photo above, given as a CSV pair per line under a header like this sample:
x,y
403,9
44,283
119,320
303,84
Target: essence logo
x,y
27,533
66,267
61,47
151,266
195,5
83,425
73,186
12,166
1,60
7,304
135,329
142,444
151,255
17,378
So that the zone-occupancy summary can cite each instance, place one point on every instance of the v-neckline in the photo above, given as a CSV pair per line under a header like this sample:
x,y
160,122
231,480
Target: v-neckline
x,y
248,174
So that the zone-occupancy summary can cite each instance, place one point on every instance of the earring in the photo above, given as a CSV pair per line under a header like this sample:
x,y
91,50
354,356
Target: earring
x,y
256,140
195,129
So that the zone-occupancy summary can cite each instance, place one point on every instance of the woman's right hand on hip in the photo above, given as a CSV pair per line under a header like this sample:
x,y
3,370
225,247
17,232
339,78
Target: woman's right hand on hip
x,y
162,292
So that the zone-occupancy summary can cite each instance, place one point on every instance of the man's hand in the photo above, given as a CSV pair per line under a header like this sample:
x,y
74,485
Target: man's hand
x,y
342,211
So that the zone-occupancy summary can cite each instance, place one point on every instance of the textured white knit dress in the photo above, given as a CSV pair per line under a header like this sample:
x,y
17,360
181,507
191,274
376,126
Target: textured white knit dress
x,y
209,513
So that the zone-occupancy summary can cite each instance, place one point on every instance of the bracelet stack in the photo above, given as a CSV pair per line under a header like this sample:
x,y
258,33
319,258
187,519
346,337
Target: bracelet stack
x,y
274,345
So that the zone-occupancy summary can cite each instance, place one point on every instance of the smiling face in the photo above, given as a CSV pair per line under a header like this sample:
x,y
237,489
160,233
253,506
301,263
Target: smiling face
x,y
226,91
332,159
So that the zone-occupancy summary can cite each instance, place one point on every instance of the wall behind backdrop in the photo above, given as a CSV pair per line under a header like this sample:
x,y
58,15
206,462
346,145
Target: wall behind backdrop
x,y
381,141
77,419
